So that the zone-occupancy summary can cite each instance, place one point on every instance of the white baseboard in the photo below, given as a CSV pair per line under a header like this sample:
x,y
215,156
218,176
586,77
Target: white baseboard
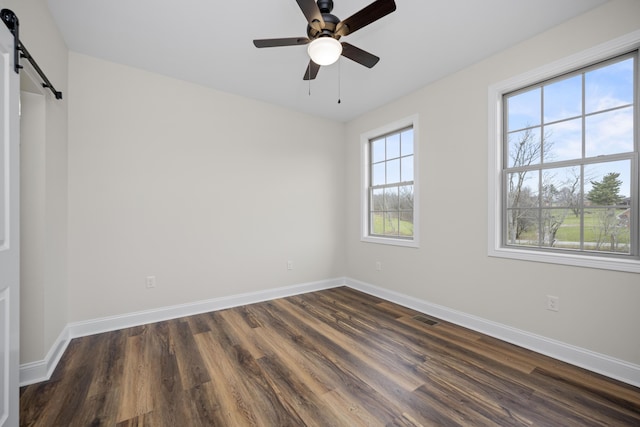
x,y
629,373
606,365
42,370
112,323
34,372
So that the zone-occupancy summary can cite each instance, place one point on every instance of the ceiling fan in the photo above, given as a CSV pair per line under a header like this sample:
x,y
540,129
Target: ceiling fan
x,y
324,31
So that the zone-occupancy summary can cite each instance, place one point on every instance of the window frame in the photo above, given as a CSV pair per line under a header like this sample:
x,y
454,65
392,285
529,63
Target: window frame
x,y
496,246
365,167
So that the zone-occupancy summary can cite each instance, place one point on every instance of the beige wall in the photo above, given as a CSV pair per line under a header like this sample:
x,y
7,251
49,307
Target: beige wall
x,y
44,152
209,192
599,309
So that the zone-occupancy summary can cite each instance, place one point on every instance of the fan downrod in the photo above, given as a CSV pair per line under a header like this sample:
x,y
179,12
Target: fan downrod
x,y
325,6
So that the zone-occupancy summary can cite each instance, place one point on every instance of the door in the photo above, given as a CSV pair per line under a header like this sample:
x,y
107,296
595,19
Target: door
x,y
9,232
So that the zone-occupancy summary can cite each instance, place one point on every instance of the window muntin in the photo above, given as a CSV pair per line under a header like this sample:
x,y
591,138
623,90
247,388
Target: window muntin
x,y
566,140
391,185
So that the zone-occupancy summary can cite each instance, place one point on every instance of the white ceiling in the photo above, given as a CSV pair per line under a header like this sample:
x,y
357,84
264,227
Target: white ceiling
x,y
209,42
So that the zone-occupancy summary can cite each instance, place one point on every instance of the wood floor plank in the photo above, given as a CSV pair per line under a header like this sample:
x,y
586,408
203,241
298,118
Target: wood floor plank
x,y
74,396
242,379
197,323
335,357
97,410
241,332
108,361
446,331
336,361
203,406
136,396
374,354
306,368
376,392
39,403
348,411
227,391
191,367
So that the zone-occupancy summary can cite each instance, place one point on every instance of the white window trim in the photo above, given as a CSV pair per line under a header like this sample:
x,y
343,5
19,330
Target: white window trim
x,y
364,183
612,48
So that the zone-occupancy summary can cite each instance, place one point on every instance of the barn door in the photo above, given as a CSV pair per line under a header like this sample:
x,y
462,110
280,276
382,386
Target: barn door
x,y
9,232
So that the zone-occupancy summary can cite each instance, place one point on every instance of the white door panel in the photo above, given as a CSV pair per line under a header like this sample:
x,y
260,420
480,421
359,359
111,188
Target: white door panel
x,y
9,232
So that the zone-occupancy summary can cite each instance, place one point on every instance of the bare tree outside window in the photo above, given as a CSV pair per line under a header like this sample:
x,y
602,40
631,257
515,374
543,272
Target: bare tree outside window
x,y
609,226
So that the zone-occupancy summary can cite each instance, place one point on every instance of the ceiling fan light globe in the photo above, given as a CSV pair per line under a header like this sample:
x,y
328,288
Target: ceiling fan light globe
x,y
324,50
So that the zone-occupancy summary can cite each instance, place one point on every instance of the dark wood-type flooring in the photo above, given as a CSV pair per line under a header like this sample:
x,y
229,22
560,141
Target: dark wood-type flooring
x,y
336,357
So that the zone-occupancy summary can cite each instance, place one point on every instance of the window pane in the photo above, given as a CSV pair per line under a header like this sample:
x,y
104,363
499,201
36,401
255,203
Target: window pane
x,y
391,201
563,99
609,133
524,147
406,197
393,146
377,223
608,207
523,110
406,139
522,189
393,171
377,151
406,223
377,199
560,218
391,223
609,87
561,188
551,221
563,141
406,167
561,228
522,227
377,174
607,184
607,229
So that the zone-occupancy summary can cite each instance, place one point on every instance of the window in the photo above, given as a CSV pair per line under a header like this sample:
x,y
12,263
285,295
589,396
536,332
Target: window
x,y
389,190
566,166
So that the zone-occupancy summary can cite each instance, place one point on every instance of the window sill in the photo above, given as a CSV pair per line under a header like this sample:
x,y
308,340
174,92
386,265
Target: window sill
x,y
602,263
390,241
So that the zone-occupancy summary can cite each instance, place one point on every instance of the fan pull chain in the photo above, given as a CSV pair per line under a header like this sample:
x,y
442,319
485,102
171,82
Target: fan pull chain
x,y
339,75
309,77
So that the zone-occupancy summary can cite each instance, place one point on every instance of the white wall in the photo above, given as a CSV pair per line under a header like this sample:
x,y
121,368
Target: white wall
x,y
209,192
44,252
33,166
599,309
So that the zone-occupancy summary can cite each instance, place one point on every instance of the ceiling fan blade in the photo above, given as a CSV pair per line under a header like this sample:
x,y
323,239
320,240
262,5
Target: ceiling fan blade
x,y
358,55
290,41
312,13
366,16
312,71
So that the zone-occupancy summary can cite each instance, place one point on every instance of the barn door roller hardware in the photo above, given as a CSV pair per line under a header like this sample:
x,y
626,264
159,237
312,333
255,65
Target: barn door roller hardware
x,y
11,21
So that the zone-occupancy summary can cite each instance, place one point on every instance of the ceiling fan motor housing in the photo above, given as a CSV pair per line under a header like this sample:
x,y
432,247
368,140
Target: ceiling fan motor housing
x,y
330,23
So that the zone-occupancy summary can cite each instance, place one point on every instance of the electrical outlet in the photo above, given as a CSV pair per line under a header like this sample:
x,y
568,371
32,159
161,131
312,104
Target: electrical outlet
x,y
289,265
150,281
378,265
553,303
